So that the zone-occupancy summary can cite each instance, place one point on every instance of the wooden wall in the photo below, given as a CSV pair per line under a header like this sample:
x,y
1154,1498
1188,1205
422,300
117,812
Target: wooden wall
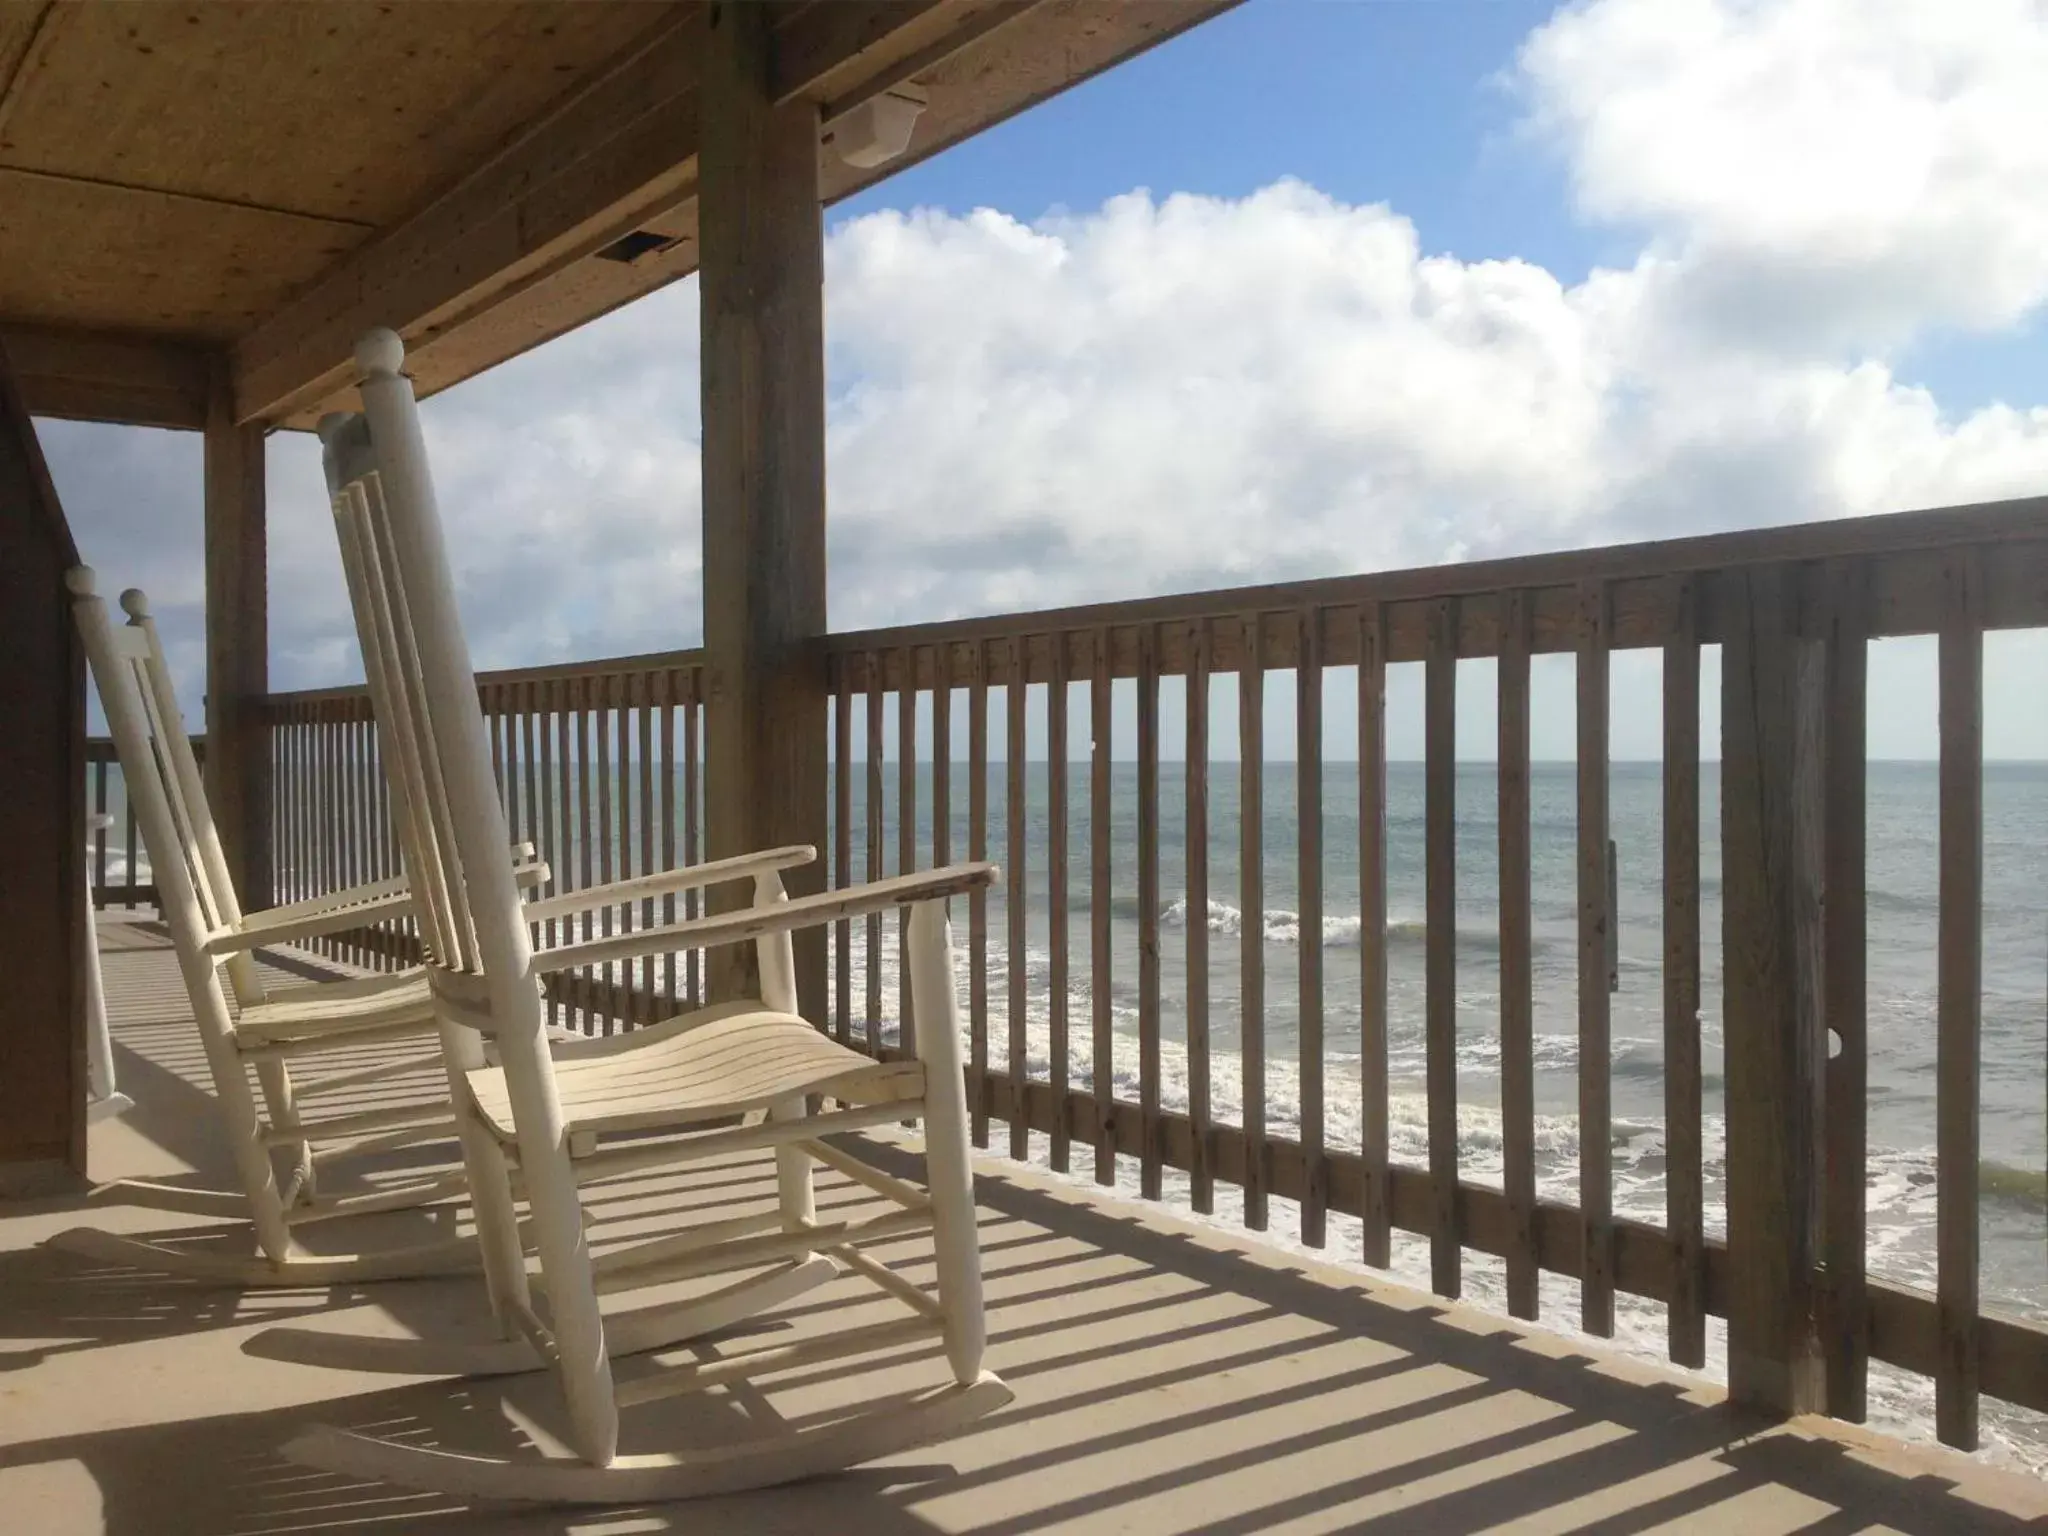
x,y
42,820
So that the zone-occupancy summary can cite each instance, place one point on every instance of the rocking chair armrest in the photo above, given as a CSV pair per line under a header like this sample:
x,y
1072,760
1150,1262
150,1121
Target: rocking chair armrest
x,y
528,872
685,877
328,901
262,928
776,917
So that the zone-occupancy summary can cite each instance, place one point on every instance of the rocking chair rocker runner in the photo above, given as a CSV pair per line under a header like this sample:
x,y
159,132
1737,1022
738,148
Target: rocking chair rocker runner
x,y
546,1118
211,934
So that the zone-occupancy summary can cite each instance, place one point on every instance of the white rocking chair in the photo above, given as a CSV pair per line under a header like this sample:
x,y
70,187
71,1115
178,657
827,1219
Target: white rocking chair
x,y
211,934
544,1119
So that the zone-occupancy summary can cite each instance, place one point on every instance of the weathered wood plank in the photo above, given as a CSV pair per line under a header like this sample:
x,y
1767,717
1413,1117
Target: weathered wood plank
x,y
1904,549
1960,988
977,902
1057,866
1308,853
1440,944
43,929
1845,966
1517,986
874,844
1684,1200
1251,879
1150,1184
1375,1210
842,851
1772,715
1100,930
237,644
1016,895
762,376
1201,1171
1596,1172
906,838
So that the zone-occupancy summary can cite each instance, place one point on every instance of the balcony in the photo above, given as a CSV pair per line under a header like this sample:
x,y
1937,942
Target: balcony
x,y
1171,1375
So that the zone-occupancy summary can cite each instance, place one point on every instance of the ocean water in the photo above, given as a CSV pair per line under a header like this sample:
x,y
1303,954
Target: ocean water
x,y
1901,856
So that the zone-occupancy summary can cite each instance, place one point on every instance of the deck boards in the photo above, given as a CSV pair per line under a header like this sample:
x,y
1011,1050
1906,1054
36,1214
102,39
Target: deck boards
x,y
1169,1378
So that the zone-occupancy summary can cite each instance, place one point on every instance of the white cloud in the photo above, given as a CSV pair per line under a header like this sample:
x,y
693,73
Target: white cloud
x,y
1184,392
1839,172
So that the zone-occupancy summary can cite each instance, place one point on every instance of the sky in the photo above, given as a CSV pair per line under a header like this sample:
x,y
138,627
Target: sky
x,y
1322,286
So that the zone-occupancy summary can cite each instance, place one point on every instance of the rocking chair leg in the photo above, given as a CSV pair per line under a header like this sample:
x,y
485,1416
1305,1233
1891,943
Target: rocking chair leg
x,y
282,1106
244,1125
793,1173
948,1171
490,1192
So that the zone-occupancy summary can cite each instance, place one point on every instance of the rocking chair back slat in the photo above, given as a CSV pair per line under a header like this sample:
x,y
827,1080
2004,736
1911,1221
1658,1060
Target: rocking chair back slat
x,y
406,614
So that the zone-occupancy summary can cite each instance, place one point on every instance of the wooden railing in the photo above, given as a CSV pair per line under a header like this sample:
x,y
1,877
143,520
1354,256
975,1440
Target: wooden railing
x,y
1789,607
600,765
107,796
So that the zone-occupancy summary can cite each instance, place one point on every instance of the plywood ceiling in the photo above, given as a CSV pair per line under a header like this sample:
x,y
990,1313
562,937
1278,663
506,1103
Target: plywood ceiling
x,y
250,185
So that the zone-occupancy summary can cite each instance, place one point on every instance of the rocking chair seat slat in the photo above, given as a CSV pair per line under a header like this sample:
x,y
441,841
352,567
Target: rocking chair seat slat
x,y
734,1063
290,1016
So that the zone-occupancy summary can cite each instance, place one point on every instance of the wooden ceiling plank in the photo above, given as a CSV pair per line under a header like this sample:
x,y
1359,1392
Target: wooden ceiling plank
x,y
282,117
25,33
197,199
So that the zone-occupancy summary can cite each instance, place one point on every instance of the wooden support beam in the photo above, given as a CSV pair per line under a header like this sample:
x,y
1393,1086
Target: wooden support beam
x,y
43,930
504,259
140,381
1773,713
237,645
763,392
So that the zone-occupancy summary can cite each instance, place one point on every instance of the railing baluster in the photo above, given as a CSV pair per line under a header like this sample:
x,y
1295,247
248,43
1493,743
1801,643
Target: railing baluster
x,y
1440,942
128,842
1150,1172
942,756
873,807
603,720
1376,1202
1058,912
554,816
842,848
1684,1199
1015,896
693,824
669,688
1960,1000
1202,1176
1251,876
586,861
906,836
1596,1177
1517,984
1308,822
977,903
1100,911
99,832
643,689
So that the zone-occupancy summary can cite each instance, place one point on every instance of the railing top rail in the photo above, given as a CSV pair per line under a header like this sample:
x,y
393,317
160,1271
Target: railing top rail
x,y
2023,518
604,666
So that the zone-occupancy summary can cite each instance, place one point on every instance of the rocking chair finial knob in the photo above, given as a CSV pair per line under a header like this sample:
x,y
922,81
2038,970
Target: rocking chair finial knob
x,y
380,354
80,581
135,603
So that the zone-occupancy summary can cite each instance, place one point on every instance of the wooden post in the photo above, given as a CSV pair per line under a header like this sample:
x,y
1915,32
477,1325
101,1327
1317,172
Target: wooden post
x,y
763,379
238,777
43,934
1773,712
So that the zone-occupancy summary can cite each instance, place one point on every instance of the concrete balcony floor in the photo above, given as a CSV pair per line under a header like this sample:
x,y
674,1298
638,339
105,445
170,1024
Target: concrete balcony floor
x,y
1168,1379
